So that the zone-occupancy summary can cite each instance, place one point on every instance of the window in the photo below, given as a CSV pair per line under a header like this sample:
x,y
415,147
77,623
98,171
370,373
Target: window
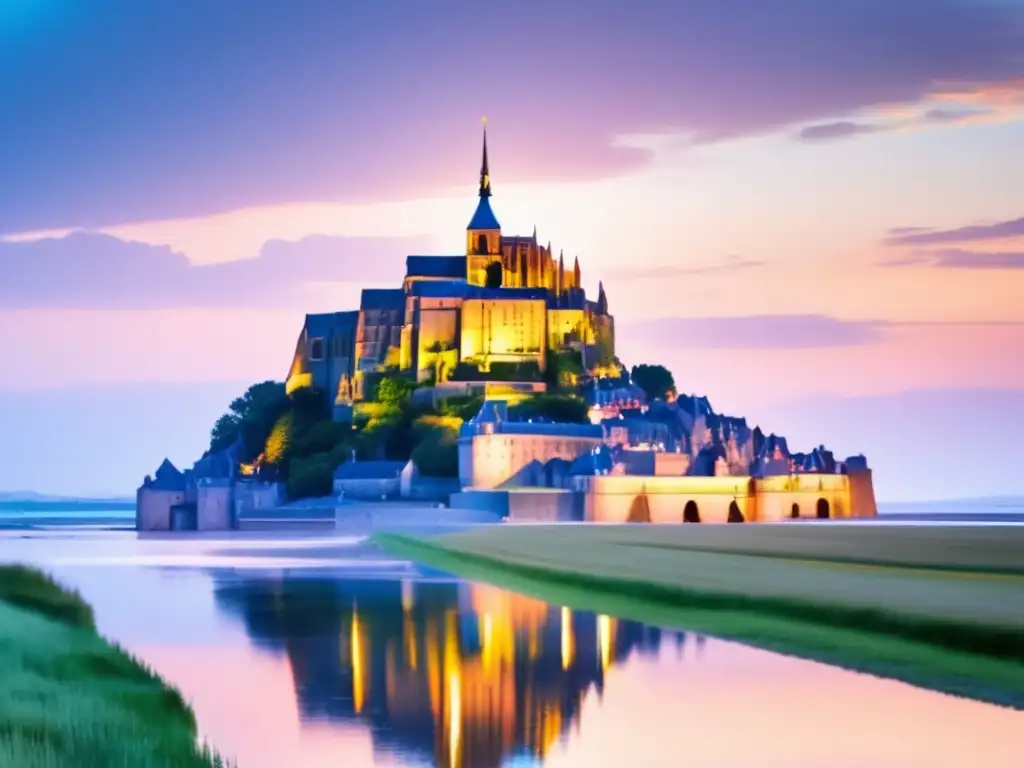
x,y
316,349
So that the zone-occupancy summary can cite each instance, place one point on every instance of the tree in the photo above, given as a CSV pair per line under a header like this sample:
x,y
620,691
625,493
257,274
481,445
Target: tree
x,y
437,454
309,477
392,390
564,368
250,417
655,380
494,275
557,408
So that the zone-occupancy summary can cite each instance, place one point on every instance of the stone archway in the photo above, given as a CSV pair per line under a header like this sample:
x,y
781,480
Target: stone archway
x,y
823,510
735,516
639,510
794,511
690,512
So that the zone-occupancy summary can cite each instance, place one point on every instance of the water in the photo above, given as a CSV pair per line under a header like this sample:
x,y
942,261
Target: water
x,y
319,651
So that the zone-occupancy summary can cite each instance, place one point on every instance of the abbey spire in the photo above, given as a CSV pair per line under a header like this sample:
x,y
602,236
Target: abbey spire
x,y
485,173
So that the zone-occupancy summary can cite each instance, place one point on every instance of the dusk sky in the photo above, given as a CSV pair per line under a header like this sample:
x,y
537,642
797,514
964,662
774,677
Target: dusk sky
x,y
812,211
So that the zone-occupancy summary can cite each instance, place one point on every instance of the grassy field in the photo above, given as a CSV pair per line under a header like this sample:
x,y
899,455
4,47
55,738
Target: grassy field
x,y
941,607
69,698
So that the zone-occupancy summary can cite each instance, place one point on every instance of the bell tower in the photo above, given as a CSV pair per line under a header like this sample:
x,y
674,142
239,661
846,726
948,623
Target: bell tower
x,y
483,235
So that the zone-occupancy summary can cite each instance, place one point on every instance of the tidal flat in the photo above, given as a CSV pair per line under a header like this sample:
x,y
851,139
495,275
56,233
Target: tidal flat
x,y
941,607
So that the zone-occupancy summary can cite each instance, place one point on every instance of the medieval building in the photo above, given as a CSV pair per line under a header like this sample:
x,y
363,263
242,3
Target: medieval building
x,y
502,306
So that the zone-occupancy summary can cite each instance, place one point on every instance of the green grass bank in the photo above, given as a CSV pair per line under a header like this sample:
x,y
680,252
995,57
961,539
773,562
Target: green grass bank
x,y
939,607
69,698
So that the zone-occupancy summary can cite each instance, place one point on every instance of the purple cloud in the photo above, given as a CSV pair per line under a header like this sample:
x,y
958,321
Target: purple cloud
x,y
839,130
762,331
952,115
728,264
974,233
960,259
85,270
334,101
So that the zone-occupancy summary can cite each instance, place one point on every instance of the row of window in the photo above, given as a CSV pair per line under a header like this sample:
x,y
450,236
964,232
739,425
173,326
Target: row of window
x,y
338,346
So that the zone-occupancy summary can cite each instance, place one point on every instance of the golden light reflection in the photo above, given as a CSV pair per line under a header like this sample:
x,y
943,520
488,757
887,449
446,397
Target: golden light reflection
x,y
453,692
409,642
487,641
605,639
568,641
358,676
407,595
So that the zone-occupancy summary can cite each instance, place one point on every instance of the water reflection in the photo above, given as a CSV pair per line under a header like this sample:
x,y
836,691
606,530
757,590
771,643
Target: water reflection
x,y
453,674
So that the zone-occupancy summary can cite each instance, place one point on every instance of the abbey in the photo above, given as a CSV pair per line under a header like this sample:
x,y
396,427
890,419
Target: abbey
x,y
495,312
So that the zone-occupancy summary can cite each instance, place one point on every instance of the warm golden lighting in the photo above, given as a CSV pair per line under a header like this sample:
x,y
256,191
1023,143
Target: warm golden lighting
x,y
487,641
409,643
407,595
358,681
454,718
568,641
604,640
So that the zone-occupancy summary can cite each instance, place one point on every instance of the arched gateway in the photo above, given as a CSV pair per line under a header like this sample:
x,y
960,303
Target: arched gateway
x,y
794,512
690,512
735,516
823,509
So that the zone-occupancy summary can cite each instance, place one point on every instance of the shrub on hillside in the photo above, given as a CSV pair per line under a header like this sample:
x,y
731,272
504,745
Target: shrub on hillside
x,y
310,477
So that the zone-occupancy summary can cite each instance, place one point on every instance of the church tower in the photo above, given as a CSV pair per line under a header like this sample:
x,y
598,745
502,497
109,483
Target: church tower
x,y
483,235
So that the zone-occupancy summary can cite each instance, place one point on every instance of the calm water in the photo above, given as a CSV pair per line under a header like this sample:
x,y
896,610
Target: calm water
x,y
322,652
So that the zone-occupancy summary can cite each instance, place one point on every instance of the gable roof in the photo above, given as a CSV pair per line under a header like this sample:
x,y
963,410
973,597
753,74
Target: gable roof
x,y
382,298
167,478
451,267
369,470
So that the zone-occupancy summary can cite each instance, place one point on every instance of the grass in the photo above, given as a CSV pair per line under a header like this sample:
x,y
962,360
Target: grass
x,y
70,698
940,607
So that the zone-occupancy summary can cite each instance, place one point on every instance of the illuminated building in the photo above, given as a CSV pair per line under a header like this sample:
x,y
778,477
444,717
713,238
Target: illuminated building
x,y
497,310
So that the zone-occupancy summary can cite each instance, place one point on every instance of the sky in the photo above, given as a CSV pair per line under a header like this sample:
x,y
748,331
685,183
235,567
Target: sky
x,y
812,212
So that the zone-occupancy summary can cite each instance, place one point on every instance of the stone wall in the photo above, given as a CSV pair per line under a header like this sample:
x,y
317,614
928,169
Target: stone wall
x,y
251,496
153,508
372,489
214,507
489,461
622,498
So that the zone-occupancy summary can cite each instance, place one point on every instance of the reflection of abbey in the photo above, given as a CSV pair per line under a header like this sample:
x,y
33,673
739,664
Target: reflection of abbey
x,y
441,673
499,307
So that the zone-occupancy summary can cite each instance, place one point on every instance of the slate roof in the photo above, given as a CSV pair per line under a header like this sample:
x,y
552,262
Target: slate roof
x,y
484,217
369,470
382,298
453,267
463,290
167,478
331,323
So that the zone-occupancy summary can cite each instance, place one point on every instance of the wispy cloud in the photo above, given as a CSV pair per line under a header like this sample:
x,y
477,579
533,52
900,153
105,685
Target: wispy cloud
x,y
955,258
763,331
918,236
839,130
85,270
728,264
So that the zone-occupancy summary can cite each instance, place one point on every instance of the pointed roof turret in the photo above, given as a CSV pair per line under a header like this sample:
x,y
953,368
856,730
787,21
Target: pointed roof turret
x,y
602,299
534,233
576,280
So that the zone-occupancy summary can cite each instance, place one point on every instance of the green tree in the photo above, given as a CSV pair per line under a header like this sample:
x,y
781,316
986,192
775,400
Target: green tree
x,y
250,417
557,408
437,454
655,380
564,369
310,477
494,275
393,390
